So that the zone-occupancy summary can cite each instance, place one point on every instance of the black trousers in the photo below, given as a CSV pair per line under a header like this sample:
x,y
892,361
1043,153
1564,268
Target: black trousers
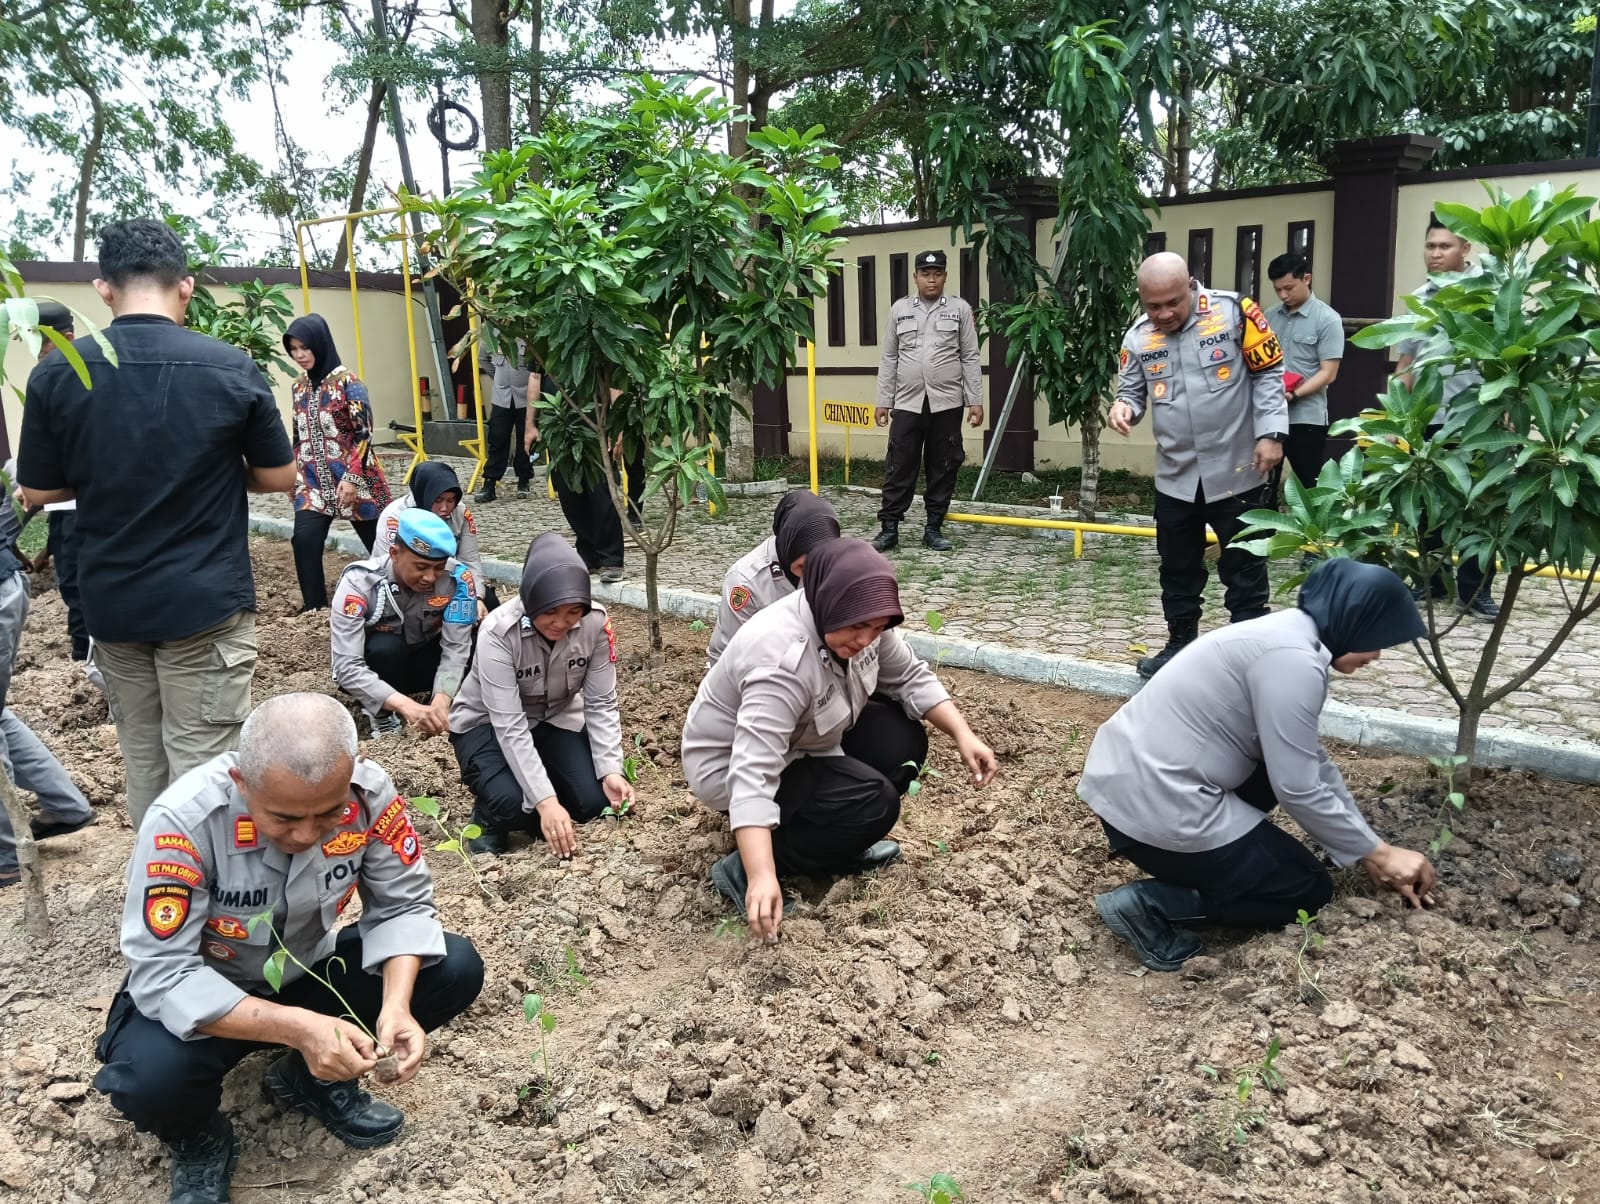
x,y
408,668
1181,545
505,436
62,544
913,438
171,1088
497,793
596,529
310,535
1262,880
1303,454
831,809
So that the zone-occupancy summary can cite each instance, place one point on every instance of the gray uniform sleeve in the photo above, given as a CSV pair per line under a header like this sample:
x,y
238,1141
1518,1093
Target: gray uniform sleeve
x,y
905,676
730,620
889,366
772,703
398,917
497,677
1286,707
1130,378
468,551
971,362
455,640
1330,338
600,714
348,622
163,921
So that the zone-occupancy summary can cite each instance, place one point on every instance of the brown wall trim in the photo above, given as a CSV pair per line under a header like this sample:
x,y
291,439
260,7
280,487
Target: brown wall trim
x,y
57,272
1554,167
836,370
1241,194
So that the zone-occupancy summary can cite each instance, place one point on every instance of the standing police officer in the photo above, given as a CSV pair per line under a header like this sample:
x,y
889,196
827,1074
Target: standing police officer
x,y
1209,367
289,828
402,623
929,369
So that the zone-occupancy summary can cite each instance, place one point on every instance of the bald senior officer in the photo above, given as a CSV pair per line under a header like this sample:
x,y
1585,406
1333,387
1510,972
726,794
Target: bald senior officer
x,y
1206,366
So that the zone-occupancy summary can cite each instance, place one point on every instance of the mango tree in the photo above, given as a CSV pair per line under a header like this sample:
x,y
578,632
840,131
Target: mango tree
x,y
647,272
1512,475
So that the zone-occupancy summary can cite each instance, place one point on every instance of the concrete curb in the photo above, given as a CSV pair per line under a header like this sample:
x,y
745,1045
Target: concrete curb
x,y
1365,727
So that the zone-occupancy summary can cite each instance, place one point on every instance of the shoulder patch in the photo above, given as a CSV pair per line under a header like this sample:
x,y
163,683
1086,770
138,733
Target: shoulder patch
x,y
353,605
177,842
611,640
244,832
392,525
1252,311
1122,358
166,907
468,521
738,598
173,869
1261,347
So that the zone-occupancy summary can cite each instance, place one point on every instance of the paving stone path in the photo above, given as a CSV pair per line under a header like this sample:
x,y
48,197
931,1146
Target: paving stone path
x,y
1012,586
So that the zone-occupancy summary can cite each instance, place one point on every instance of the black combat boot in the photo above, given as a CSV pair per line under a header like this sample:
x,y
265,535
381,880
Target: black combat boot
x,y
1145,913
484,495
202,1164
877,856
349,1113
488,839
933,538
728,876
1179,636
887,539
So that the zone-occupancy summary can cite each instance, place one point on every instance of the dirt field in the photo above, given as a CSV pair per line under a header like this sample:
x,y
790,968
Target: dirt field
x,y
964,1012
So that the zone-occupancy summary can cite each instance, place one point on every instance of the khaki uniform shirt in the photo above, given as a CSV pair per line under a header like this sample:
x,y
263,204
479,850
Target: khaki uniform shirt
x,y
200,870
369,599
1308,336
461,523
1214,387
1437,344
519,679
755,582
776,694
930,351
1166,767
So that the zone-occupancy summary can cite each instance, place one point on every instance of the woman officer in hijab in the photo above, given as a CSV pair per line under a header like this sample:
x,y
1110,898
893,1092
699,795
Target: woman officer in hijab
x,y
535,727
435,486
786,736
1184,774
771,570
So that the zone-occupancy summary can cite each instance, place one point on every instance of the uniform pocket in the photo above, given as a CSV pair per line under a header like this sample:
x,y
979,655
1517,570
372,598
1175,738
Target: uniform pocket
x,y
225,698
907,334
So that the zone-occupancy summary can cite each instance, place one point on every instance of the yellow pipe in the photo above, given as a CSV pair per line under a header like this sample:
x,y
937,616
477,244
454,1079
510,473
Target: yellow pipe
x,y
412,439
475,446
811,401
355,303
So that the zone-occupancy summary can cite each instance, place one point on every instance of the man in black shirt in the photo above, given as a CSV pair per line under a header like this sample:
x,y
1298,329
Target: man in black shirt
x,y
159,455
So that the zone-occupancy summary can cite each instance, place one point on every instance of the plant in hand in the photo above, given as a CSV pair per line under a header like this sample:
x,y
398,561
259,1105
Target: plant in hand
x,y
388,1068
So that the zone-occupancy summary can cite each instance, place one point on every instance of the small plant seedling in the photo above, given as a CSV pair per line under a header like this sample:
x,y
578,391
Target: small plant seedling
x,y
618,811
941,846
938,1189
535,1013
932,1058
1309,939
698,626
935,622
633,764
1453,798
1260,1074
923,774
388,1068
731,927
453,842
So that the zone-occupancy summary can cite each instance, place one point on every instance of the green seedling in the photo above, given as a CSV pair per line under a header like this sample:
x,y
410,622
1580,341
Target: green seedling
x,y
731,927
1453,798
938,1189
1260,1074
932,1058
535,1013
388,1068
935,622
636,761
1309,939
698,626
453,842
618,811
923,774
568,976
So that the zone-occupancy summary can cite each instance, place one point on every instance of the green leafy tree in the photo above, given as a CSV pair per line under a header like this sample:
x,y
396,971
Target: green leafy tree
x,y
644,281
1513,475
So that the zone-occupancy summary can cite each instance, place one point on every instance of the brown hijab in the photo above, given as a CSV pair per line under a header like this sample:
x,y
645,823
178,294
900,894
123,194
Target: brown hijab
x,y
848,581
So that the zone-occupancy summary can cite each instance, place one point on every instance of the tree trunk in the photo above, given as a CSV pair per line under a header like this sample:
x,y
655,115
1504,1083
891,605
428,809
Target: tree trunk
x,y
1089,482
35,910
739,456
1182,144
652,600
84,82
536,72
489,21
358,190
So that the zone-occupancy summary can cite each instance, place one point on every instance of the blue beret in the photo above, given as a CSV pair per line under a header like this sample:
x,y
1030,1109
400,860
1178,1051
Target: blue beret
x,y
426,534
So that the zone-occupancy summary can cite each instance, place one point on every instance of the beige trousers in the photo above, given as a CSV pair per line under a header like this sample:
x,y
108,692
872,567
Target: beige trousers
x,y
177,703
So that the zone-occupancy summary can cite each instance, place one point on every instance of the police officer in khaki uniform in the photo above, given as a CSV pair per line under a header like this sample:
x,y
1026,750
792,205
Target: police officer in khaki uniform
x,y
1207,366
929,371
402,623
536,728
771,570
808,730
290,828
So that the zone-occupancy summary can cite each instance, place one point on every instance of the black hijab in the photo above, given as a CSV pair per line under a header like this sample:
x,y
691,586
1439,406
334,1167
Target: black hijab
x,y
801,521
430,480
314,333
553,575
848,581
1359,607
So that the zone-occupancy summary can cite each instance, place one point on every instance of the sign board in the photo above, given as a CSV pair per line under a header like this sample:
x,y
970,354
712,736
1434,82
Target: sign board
x,y
847,413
